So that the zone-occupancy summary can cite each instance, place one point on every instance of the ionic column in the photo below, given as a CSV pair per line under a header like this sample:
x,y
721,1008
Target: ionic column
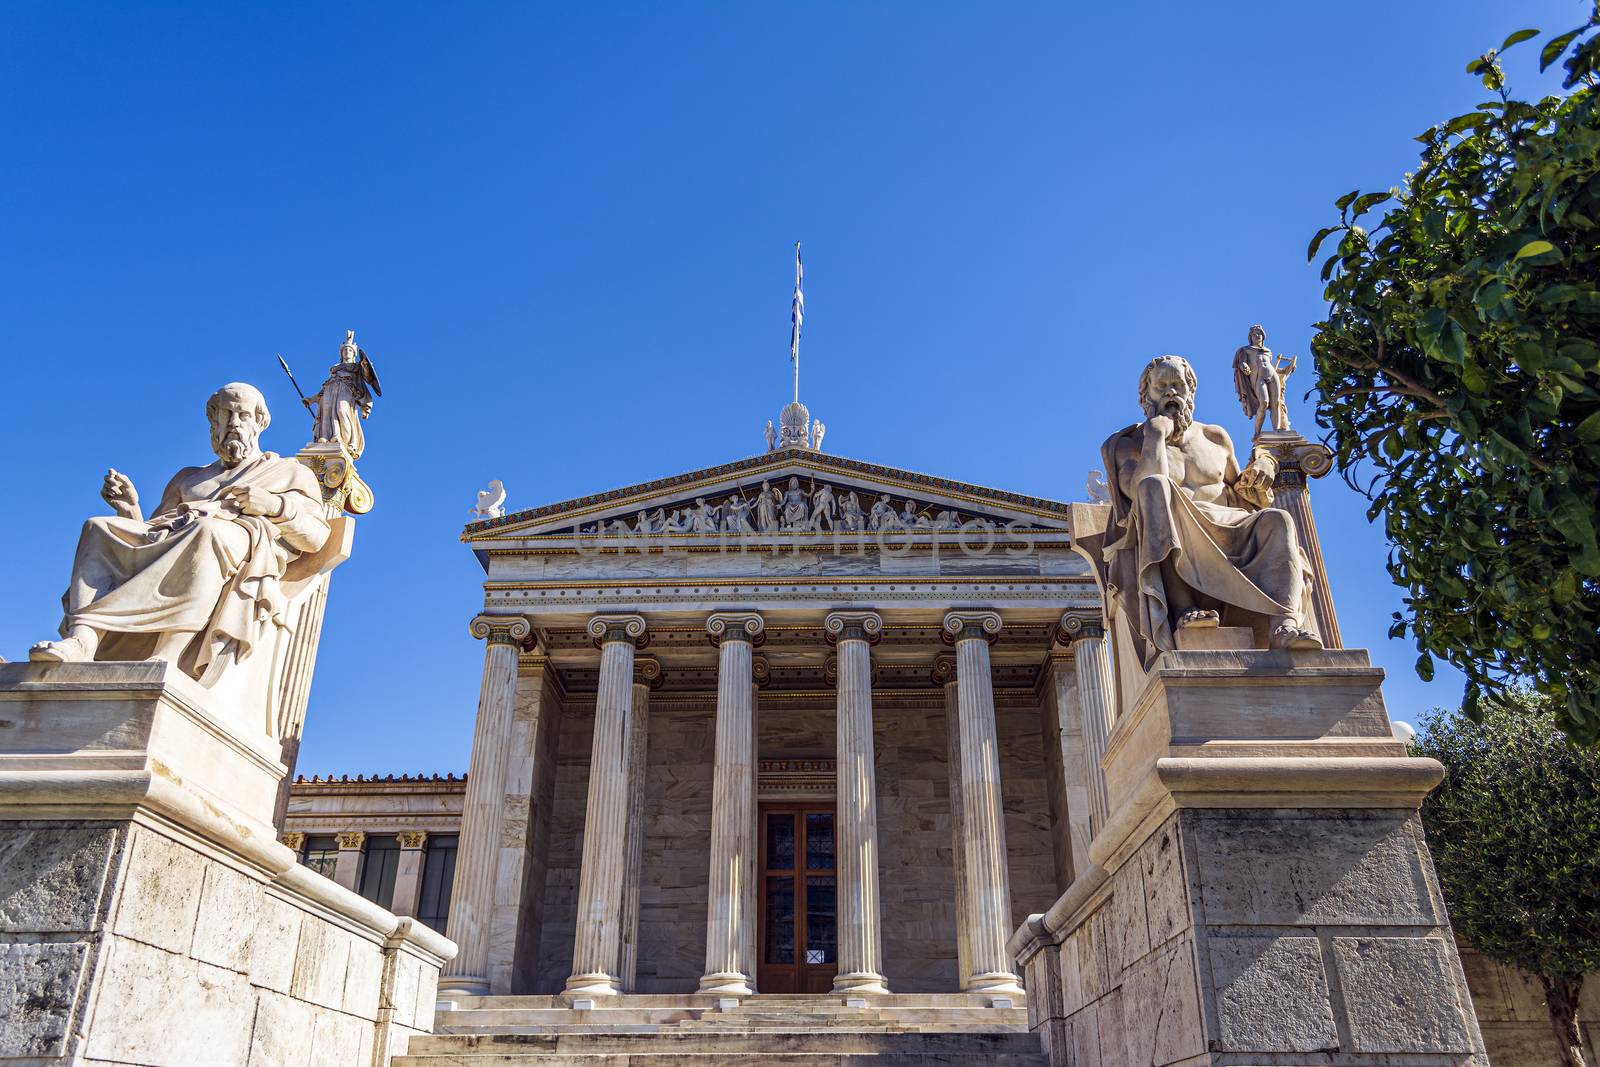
x,y
408,875
646,676
1084,633
988,880
856,825
944,675
483,808
596,957
347,865
729,922
1299,459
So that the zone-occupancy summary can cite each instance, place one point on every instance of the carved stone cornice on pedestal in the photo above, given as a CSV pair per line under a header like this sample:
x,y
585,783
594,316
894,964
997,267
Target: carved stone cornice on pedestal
x,y
412,840
604,628
511,630
852,626
293,839
647,671
944,670
736,626
970,625
1080,626
351,840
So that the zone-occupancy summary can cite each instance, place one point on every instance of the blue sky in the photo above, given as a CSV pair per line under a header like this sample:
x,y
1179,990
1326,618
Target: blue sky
x,y
564,235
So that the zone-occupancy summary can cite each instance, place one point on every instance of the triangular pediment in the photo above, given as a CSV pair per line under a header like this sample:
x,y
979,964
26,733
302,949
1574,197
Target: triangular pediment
x,y
785,492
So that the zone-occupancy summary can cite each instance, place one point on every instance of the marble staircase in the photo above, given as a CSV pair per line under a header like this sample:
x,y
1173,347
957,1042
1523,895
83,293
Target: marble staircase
x,y
767,1030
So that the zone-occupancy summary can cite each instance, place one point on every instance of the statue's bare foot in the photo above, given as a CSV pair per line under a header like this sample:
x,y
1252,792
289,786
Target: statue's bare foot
x,y
1199,619
67,650
1291,636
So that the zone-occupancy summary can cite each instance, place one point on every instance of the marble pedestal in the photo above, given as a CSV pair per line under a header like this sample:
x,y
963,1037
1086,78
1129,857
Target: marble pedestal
x,y
149,916
1261,892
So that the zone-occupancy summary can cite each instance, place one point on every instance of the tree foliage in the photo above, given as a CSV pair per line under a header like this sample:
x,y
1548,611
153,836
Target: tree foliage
x,y
1460,359
1515,835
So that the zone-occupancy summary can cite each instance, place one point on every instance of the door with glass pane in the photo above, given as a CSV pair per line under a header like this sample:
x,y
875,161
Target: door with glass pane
x,y
799,939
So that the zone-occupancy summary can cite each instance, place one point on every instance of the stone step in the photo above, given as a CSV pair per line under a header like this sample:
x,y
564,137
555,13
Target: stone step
x,y
721,1059
706,1001
765,1043
537,1019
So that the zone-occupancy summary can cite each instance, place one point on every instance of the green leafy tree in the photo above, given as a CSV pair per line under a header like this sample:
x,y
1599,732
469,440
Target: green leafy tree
x,y
1515,835
1459,375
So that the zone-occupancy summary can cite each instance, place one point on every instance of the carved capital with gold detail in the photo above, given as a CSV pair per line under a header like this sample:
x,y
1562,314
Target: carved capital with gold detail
x,y
852,626
1080,626
411,840
760,671
604,628
513,630
335,468
647,671
736,626
944,670
294,839
1297,458
351,840
970,626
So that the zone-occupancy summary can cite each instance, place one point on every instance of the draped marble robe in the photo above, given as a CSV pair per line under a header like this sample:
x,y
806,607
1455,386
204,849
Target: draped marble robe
x,y
1243,562
197,565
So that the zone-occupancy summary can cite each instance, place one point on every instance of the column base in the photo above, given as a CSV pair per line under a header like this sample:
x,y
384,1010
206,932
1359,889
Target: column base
x,y
861,982
727,983
997,983
463,985
598,984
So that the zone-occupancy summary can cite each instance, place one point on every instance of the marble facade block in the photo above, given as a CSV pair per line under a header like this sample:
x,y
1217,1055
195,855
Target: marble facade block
x,y
1262,891
149,916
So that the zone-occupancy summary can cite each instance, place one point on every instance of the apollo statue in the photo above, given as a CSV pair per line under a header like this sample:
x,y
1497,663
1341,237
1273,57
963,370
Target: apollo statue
x,y
1194,541
1259,377
197,583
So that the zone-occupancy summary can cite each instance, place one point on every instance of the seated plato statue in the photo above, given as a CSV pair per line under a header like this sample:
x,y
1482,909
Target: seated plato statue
x,y
1193,542
197,583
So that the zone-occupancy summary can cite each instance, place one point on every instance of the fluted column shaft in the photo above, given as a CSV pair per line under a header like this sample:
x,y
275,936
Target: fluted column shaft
x,y
944,673
483,809
1085,635
856,824
645,673
729,922
596,947
1291,493
987,877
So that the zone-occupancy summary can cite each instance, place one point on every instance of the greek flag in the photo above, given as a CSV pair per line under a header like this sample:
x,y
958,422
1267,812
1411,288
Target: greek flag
x,y
797,311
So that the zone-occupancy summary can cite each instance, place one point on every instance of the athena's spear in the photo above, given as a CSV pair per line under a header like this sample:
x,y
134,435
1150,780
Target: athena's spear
x,y
292,382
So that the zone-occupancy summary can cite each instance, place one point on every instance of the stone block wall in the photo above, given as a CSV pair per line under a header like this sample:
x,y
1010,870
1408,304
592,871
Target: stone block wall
x,y
1224,937
164,950
1510,1007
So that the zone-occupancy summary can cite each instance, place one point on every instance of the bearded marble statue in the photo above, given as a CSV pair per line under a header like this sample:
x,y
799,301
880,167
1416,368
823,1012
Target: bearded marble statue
x,y
1193,541
198,582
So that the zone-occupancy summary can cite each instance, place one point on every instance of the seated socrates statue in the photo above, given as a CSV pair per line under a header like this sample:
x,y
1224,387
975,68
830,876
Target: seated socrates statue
x,y
1193,540
208,581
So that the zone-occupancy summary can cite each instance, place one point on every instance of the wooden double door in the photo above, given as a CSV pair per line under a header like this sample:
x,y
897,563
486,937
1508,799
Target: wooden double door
x,y
798,894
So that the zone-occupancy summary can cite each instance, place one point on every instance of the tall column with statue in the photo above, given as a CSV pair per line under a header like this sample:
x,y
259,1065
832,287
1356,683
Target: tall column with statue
x,y
1252,779
144,757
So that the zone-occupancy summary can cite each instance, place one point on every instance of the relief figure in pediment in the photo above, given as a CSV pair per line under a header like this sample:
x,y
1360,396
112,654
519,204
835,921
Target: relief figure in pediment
x,y
796,511
736,515
823,508
767,508
882,516
850,517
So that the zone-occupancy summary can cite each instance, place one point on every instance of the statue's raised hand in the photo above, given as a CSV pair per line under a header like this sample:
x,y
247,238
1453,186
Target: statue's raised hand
x,y
118,491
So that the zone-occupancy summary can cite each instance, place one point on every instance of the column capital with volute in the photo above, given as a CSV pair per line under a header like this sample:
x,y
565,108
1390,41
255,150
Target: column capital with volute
x,y
852,626
501,629
607,628
971,625
1083,625
736,626
647,671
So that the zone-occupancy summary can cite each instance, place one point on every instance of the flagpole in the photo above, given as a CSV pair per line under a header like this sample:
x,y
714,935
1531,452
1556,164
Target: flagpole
x,y
797,311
